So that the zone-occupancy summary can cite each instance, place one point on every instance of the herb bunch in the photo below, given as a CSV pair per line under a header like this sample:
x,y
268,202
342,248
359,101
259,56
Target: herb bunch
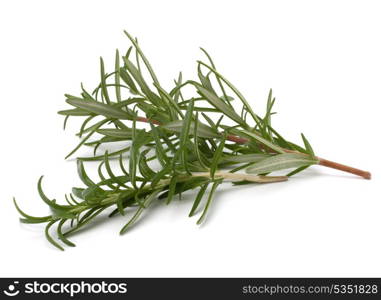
x,y
171,144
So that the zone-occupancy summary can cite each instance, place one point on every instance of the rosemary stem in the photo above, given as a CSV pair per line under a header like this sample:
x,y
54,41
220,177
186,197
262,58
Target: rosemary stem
x,y
341,167
322,161
334,165
146,120
236,139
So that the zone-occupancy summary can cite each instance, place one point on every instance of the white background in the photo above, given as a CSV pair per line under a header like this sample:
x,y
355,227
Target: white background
x,y
322,59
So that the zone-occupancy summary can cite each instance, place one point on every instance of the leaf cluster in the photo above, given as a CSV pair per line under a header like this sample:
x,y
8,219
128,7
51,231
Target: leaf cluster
x,y
172,142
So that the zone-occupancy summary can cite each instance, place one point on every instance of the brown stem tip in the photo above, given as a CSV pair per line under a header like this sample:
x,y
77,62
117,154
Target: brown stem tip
x,y
341,167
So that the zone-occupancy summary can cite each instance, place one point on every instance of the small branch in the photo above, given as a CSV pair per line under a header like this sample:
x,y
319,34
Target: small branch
x,y
146,120
323,162
341,167
237,139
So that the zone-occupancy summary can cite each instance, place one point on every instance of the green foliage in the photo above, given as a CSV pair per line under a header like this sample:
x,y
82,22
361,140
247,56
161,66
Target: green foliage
x,y
180,150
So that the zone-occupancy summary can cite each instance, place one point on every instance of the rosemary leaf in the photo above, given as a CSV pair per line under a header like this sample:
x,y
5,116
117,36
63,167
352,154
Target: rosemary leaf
x,y
280,162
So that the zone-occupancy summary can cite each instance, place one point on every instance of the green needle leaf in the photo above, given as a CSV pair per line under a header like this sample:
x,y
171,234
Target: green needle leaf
x,y
236,91
30,219
201,158
86,137
61,236
280,162
224,97
219,104
296,171
103,82
110,173
144,169
244,158
51,203
139,211
184,135
49,238
197,201
74,112
141,82
209,201
145,60
83,175
217,157
203,130
308,147
249,134
172,188
117,133
99,108
160,153
128,80
117,77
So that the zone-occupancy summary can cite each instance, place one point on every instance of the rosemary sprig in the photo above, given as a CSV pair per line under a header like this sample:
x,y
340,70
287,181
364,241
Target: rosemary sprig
x,y
198,141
